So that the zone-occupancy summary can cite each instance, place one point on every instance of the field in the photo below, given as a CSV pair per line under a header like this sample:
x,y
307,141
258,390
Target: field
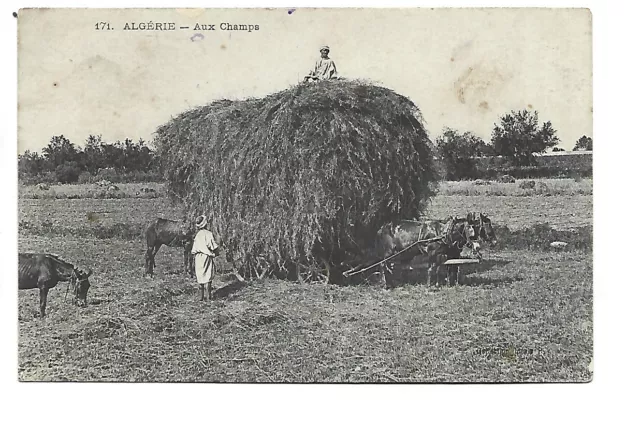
x,y
521,315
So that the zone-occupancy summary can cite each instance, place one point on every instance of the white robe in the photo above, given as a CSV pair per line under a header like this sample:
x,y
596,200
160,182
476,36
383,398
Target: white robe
x,y
203,249
325,69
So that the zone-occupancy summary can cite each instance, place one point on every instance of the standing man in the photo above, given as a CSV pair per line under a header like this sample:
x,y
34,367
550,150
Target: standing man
x,y
204,250
325,68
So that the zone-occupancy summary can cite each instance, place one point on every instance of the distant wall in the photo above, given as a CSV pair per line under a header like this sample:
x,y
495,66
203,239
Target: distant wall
x,y
549,165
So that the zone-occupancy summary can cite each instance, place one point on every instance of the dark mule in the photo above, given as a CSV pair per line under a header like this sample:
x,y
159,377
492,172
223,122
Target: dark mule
x,y
479,229
398,237
171,233
482,227
44,271
459,235
394,237
456,235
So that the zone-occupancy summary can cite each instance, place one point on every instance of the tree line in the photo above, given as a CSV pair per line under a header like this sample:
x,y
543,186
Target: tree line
x,y
63,162
517,138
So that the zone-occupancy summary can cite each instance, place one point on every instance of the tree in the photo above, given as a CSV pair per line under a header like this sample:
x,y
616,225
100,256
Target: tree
x,y
585,143
458,151
486,150
59,151
113,155
30,164
68,172
518,137
93,158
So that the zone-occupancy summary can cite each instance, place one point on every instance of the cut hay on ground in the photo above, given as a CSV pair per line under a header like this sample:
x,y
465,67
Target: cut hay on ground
x,y
312,171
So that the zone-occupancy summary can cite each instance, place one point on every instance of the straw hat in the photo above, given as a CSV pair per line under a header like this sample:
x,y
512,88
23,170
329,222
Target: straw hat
x,y
201,222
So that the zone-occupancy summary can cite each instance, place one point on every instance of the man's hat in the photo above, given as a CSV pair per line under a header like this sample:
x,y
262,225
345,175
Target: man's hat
x,y
324,48
201,222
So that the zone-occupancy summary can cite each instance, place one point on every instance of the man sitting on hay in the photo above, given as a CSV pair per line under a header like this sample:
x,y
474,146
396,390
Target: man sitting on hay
x,y
325,68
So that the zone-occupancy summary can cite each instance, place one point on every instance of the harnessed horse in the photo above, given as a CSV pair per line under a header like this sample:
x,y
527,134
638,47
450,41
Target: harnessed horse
x,y
459,234
397,241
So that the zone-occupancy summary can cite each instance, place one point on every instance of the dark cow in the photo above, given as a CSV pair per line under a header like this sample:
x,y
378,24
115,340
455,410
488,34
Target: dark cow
x,y
44,271
171,233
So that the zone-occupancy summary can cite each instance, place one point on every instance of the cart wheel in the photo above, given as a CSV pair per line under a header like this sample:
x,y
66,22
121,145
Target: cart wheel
x,y
262,267
315,272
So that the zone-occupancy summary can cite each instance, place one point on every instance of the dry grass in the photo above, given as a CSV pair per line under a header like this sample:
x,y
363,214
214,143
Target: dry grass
x,y
521,315
81,191
83,215
554,187
518,318
562,212
544,187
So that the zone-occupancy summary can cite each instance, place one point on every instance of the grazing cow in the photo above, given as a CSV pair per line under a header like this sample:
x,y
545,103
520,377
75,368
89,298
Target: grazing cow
x,y
481,182
527,184
113,188
44,271
171,233
507,179
42,187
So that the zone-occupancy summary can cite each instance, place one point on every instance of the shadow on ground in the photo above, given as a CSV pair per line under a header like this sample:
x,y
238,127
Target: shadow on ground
x,y
489,264
229,289
470,276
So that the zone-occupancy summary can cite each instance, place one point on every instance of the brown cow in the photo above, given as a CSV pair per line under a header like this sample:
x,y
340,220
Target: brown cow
x,y
44,271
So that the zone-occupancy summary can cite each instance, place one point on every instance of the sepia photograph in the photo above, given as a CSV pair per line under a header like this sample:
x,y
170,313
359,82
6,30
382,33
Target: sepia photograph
x,y
304,195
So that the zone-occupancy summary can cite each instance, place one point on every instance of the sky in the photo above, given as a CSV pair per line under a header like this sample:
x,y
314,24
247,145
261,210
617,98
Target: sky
x,y
463,68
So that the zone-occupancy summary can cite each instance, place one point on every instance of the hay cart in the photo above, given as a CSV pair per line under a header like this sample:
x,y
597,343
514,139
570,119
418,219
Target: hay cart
x,y
318,270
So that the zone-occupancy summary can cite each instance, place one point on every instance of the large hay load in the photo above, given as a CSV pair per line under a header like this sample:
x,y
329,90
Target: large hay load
x,y
303,177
